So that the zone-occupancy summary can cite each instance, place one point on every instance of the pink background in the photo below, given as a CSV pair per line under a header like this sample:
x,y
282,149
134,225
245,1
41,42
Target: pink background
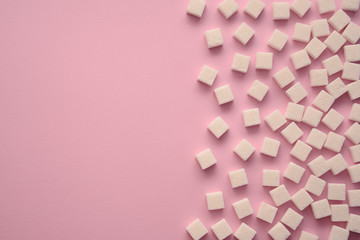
x,y
101,116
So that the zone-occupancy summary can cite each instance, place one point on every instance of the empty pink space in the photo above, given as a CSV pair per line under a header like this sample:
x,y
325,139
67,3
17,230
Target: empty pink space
x,y
101,117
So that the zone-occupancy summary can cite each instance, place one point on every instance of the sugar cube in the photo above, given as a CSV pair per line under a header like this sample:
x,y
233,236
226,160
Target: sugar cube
x,y
214,38
270,147
334,41
336,88
271,178
353,90
339,212
258,90
333,64
292,133
300,59
352,33
240,63
224,94
302,32
244,149
254,7
244,232
353,133
353,224
318,77
308,236
281,10
300,7
196,229
332,119
355,113
321,208
301,199
207,75
354,198
319,166
284,77
354,172
279,232
334,142
352,53
251,117
218,127
315,185
296,92
300,150
264,60
275,120
238,178
325,6
278,40
292,219
339,20
351,71
320,28
323,101
215,200
350,5
294,172
196,8
336,191
243,208
355,153
228,8
206,159
266,212
294,112
312,116
338,233
315,48
244,33
221,229
337,164
280,195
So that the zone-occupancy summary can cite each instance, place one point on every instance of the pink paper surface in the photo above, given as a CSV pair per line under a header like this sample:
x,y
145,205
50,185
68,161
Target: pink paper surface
x,y
101,116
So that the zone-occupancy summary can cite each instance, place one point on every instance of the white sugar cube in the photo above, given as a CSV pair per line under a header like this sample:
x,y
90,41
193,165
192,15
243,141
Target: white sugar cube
x,y
338,233
353,90
284,77
206,159
251,117
270,147
312,116
244,149
278,40
339,20
351,71
196,8
325,6
353,225
244,232
337,164
336,88
275,120
300,7
355,153
334,41
308,236
196,229
221,229
302,32
321,208
323,101
214,38
333,64
271,178
354,172
228,8
224,94
292,219
336,191
281,10
243,208
300,150
300,59
266,212
355,113
294,112
319,166
352,33
315,185
207,75
292,133
301,199
294,172
334,142
240,63
238,178
353,133
254,7
296,92
350,5
354,198
332,119
320,28
352,53
244,33
279,232
318,77
315,48
218,127
280,195
339,212
264,60
215,200
258,90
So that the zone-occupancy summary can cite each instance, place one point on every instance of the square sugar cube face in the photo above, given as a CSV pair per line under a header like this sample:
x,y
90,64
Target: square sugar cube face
x,y
218,127
294,112
336,88
291,218
266,212
354,172
355,113
254,8
296,92
292,133
221,229
238,178
215,200
196,8
264,60
336,191
320,28
338,233
351,71
196,229
245,232
332,119
337,164
278,40
333,65
315,48
275,120
308,236
334,41
352,53
355,153
302,32
321,209
243,208
294,172
206,159
281,10
244,149
353,133
353,90
300,59
318,77
334,142
312,116
280,195
279,232
315,185
244,33
224,94
284,77
339,212
339,20
270,147
323,101
207,75
350,5
300,7
271,178
325,6
301,199
214,38
354,198
228,8
251,117
300,150
353,224
258,90
319,166
352,33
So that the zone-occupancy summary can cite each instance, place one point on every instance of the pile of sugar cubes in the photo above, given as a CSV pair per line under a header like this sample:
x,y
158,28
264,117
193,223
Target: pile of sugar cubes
x,y
336,33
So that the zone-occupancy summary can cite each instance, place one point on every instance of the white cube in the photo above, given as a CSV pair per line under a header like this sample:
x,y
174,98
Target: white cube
x,y
296,92
300,59
353,224
266,212
224,94
334,41
214,38
258,90
221,229
196,8
337,164
336,88
278,40
196,229
292,219
338,233
275,120
353,133
323,101
355,113
292,133
332,119
339,20
238,178
228,8
339,212
301,199
312,116
319,166
325,6
280,195
294,172
333,64
270,147
300,150
284,77
251,117
321,209
318,77
351,71
308,236
254,7
353,90
279,232
352,33
264,60
218,127
244,149
354,173
336,191
315,48
207,75
302,32
334,142
320,28
300,7
244,33
206,159
352,53
281,10
355,153
244,232
243,208
316,138
354,198
315,185
294,112
271,178
350,5
215,200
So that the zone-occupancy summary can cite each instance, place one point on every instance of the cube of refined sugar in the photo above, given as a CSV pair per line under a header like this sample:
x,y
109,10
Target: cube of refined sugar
x,y
334,142
218,127
323,101
353,225
339,212
251,117
215,200
351,71
320,28
308,236
278,40
321,208
238,178
271,178
244,149
354,172
281,10
300,59
355,153
228,8
244,33
315,48
319,166
338,233
350,5
353,90
352,53
300,7
301,199
312,116
292,133
279,232
244,232
266,212
196,229
318,77
270,147
264,60
336,191
294,172
224,94
333,64
354,198
221,229
334,41
296,92
292,219
284,77
206,159
353,133
325,6
275,120
355,113
258,90
243,208
254,7
315,185
280,195
336,88
352,33
339,20
302,32
300,150
214,38
240,63
207,75
294,112
337,164
332,119
196,8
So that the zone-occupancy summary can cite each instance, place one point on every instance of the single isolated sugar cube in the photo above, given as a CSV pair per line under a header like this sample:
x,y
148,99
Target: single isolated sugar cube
x,y
221,229
315,185
245,232
332,119
350,5
294,172
336,191
228,8
334,142
302,32
325,6
215,200
315,48
351,71
334,41
266,212
353,90
354,198
292,219
244,33
196,8
312,116
320,28
244,149
308,236
296,92
270,147
280,195
337,164
284,77
300,150
264,60
300,7
275,120
352,53
352,33
294,112
355,153
339,20
240,63
355,113
206,159
224,94
301,199
353,225
319,166
271,178
279,232
281,10
336,88
339,212
323,101
214,38
238,178
318,77
353,133
278,40
338,233
333,64
218,127
254,7
251,117
207,75
354,172
258,90
292,133
196,229
243,208
321,208
300,59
